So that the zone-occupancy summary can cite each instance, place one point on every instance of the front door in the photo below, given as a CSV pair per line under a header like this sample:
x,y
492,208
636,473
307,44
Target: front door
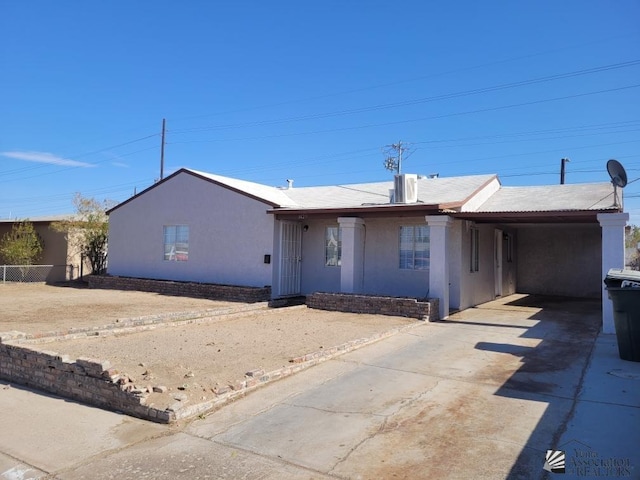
x,y
290,258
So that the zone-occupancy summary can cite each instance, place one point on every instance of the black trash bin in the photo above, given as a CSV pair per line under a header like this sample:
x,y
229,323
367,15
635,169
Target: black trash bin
x,y
623,287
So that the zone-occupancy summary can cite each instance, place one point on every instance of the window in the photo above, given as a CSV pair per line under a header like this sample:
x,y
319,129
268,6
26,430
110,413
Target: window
x,y
414,247
509,247
333,247
475,250
176,243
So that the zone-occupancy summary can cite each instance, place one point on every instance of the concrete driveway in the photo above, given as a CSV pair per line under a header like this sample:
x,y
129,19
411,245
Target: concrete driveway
x,y
482,395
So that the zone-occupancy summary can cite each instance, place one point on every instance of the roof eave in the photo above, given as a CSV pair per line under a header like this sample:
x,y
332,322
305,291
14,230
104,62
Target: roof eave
x,y
556,216
201,177
133,197
382,210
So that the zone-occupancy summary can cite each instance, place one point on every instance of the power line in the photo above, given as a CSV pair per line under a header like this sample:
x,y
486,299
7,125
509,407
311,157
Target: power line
x,y
599,126
447,96
393,156
434,117
60,170
75,157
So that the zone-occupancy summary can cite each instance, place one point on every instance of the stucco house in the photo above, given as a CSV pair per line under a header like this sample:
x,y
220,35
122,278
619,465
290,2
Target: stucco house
x,y
464,240
59,261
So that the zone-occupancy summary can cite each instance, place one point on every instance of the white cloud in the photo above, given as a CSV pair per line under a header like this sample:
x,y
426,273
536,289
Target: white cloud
x,y
45,157
120,164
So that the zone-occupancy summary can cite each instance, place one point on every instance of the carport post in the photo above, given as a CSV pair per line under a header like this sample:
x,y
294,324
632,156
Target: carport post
x,y
612,225
439,260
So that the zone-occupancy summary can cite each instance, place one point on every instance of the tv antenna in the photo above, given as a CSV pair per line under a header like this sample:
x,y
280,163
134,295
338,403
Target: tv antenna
x,y
618,178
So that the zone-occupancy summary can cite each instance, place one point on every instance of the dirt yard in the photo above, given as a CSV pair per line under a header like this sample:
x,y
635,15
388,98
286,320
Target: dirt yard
x,y
32,308
191,360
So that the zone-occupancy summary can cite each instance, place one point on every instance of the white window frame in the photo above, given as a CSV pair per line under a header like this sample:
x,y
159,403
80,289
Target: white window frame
x,y
409,236
176,243
333,253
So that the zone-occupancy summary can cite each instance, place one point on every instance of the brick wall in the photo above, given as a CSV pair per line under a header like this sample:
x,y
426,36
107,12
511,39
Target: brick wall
x,y
404,307
187,289
86,380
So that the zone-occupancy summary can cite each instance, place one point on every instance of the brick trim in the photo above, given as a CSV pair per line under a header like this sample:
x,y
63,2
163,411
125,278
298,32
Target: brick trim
x,y
422,309
211,291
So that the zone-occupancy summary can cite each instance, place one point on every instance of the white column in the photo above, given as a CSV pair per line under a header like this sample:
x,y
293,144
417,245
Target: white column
x,y
612,257
439,260
352,264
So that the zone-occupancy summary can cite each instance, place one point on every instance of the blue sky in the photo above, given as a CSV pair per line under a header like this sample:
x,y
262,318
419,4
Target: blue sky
x,y
266,91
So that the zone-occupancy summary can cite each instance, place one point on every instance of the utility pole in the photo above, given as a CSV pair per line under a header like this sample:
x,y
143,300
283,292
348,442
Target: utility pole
x,y
562,162
393,156
164,122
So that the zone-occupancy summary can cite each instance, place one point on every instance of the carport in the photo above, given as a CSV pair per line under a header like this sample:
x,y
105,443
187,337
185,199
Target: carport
x,y
561,241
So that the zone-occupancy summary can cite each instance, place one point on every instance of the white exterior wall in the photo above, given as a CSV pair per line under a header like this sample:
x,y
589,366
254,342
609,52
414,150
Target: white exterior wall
x,y
352,258
472,288
229,234
316,277
482,196
455,263
612,225
382,274
476,287
439,266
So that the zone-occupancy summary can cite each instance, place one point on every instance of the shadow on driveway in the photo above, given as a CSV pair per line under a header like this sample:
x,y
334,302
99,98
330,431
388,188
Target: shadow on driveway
x,y
567,329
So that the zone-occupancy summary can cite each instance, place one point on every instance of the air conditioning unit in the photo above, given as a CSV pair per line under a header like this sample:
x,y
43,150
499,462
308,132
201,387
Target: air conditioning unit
x,y
405,188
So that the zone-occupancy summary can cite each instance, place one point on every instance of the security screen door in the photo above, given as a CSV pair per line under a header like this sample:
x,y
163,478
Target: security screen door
x,y
290,258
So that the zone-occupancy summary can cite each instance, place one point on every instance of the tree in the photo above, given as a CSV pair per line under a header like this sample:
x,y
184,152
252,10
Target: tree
x,y
88,231
22,245
632,237
632,240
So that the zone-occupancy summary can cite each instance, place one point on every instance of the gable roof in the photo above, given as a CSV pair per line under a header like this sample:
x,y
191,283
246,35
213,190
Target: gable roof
x,y
569,203
545,198
451,195
273,196
435,192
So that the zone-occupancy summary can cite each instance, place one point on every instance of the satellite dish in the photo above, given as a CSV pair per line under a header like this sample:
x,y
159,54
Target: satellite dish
x,y
618,178
617,173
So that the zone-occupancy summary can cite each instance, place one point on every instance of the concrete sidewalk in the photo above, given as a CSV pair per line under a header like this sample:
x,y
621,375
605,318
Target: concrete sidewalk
x,y
481,396
602,438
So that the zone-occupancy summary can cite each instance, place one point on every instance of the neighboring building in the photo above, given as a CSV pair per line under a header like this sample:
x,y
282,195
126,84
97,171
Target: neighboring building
x,y
632,258
63,261
464,240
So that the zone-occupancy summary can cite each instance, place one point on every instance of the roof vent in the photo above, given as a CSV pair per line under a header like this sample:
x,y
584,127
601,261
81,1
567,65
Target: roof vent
x,y
289,184
405,188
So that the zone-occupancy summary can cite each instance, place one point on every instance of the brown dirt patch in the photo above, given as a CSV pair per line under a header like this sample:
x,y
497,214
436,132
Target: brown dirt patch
x,y
34,308
193,357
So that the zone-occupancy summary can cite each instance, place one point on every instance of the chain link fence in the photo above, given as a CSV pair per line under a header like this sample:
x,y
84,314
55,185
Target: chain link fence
x,y
34,273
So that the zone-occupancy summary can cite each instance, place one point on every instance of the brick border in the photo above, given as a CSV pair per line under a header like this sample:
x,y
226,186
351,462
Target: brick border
x,y
87,380
422,309
211,291
136,324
